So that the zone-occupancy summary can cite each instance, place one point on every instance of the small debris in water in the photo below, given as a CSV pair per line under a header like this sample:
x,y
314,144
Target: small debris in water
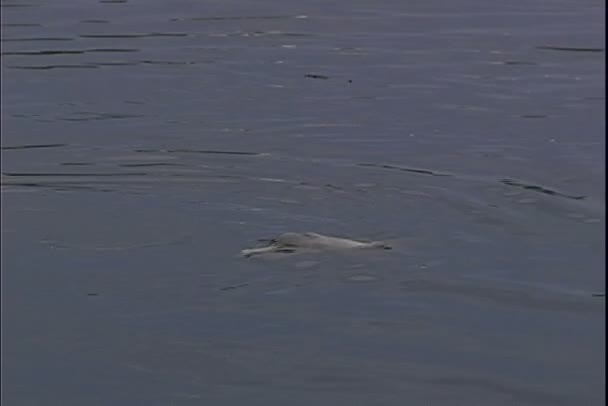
x,y
92,294
315,76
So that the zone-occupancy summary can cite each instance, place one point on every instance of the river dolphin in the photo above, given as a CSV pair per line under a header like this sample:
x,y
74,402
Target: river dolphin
x,y
294,242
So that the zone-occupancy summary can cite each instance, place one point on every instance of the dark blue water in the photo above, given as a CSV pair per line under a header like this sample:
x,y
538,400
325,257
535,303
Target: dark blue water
x,y
144,144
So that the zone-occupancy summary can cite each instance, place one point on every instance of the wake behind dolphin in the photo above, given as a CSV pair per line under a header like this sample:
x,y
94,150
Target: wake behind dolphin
x,y
290,243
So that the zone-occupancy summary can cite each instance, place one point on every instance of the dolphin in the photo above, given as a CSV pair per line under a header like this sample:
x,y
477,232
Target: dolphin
x,y
293,242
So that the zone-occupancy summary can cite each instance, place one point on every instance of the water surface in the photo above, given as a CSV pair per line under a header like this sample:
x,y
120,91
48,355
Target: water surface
x,y
145,145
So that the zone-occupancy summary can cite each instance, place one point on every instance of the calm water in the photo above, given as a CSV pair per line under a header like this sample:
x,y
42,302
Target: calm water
x,y
145,143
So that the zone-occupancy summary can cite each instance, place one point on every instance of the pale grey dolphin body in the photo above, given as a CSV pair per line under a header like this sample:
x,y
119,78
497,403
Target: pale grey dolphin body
x,y
299,242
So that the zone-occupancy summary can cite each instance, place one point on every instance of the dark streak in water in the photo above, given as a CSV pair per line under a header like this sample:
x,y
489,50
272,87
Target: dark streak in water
x,y
334,187
95,21
508,182
33,146
570,49
194,151
67,174
25,184
234,286
540,189
538,301
35,39
152,34
150,164
315,76
102,64
20,25
15,5
234,18
62,186
49,67
166,63
68,51
89,116
75,164
94,182
519,63
412,170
